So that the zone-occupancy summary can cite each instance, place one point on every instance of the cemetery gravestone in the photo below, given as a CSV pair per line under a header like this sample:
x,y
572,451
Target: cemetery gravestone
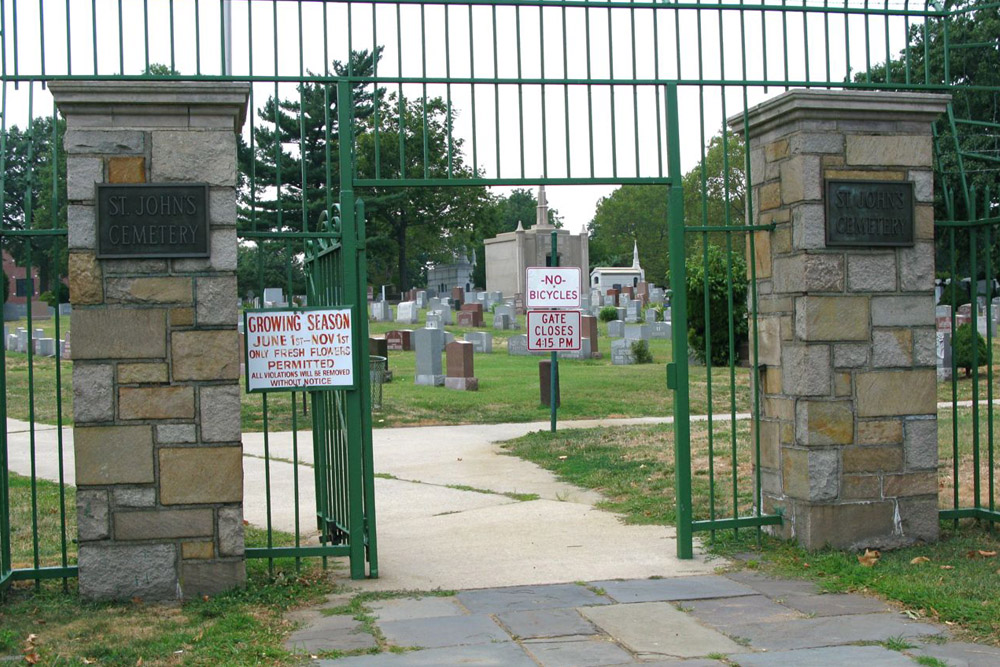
x,y
461,375
428,344
588,327
482,341
616,329
637,332
399,340
407,312
517,345
621,352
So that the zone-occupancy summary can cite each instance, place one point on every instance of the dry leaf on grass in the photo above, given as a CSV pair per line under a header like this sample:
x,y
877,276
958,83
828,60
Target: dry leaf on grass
x,y
947,567
987,554
920,560
32,658
869,557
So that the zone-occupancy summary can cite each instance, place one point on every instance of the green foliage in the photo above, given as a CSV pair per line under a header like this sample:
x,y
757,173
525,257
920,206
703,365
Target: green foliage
x,y
519,206
59,294
608,314
269,264
724,307
640,350
954,295
962,348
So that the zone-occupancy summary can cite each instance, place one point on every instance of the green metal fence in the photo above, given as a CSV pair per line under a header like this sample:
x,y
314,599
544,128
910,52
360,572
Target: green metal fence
x,y
514,92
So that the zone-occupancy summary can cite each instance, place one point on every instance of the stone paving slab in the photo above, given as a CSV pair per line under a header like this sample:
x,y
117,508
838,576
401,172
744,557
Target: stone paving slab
x,y
961,654
723,613
836,604
771,587
411,608
594,651
829,631
659,628
505,654
676,588
330,633
539,623
443,631
867,656
522,598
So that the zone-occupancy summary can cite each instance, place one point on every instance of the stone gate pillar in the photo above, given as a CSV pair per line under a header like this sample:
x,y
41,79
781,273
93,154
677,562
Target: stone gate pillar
x,y
848,434
151,180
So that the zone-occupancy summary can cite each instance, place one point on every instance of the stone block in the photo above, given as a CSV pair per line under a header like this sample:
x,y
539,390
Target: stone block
x,y
154,290
801,179
176,433
211,577
781,241
770,446
816,142
924,347
860,487
919,520
842,384
916,268
824,422
889,151
86,284
134,496
151,373
155,402
880,432
865,174
873,459
93,392
779,408
191,475
197,550
220,413
194,156
810,474
82,227
809,227
181,317
231,531
920,444
92,512
222,206
833,318
772,380
205,355
923,223
845,525
223,248
81,175
113,455
769,341
910,484
126,571
103,141
923,185
892,347
809,273
871,273
776,150
119,333
896,393
217,302
901,311
127,169
134,266
850,355
805,370
769,196
164,524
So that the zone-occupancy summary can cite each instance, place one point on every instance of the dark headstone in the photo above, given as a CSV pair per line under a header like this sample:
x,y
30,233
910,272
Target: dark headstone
x,y
545,382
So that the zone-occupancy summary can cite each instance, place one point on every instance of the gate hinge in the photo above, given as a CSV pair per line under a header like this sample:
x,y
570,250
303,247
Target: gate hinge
x,y
672,376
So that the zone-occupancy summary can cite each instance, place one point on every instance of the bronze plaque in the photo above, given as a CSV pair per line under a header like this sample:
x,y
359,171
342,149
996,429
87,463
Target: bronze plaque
x,y
869,213
152,220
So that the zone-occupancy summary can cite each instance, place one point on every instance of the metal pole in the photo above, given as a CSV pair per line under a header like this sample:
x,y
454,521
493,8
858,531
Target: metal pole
x,y
554,364
227,35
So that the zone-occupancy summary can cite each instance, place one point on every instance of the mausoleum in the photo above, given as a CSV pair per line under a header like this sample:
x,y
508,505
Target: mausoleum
x,y
604,278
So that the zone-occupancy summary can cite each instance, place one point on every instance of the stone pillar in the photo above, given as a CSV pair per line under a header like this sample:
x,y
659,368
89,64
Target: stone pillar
x,y
156,396
848,433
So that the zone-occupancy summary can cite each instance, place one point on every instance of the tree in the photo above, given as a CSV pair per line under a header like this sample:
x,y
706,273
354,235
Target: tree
x,y
712,272
715,190
965,337
520,206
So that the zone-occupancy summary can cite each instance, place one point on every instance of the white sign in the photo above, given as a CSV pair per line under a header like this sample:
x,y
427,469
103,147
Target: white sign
x,y
552,287
289,350
553,330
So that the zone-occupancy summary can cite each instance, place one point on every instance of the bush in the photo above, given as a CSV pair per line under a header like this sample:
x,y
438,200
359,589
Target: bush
x,y
954,294
719,300
54,297
608,314
640,350
962,348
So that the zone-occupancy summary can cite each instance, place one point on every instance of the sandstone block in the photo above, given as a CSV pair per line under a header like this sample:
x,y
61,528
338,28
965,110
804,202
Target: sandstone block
x,y
892,347
865,175
125,571
159,289
151,373
113,454
841,384
231,531
761,254
156,402
824,422
217,302
833,318
923,223
920,446
910,484
82,227
81,175
86,285
772,380
220,413
103,141
871,273
176,433
901,311
809,273
181,317
779,408
781,241
869,459
850,355
769,196
191,475
810,474
93,392
916,268
776,150
211,577
127,169
800,179
119,333
880,432
163,524
805,370
769,341
896,393
770,448
197,550
205,156
92,515
845,525
134,266
860,487
892,150
756,166
205,355
134,496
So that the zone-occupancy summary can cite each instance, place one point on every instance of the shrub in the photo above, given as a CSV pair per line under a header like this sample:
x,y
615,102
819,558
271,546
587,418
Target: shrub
x,y
640,350
719,300
954,294
962,348
608,314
